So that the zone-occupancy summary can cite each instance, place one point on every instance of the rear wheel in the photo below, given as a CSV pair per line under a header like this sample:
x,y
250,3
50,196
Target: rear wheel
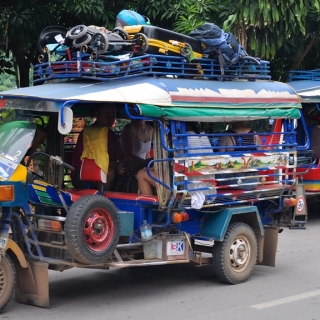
x,y
99,42
140,43
235,257
121,32
7,280
92,229
80,42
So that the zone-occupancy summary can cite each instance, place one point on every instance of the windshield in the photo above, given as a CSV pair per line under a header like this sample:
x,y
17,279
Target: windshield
x,y
16,134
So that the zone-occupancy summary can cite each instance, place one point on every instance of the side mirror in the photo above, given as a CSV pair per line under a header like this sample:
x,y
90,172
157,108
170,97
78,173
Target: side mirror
x,y
65,120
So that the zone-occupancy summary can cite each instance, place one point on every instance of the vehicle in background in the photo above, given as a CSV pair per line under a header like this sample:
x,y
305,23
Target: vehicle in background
x,y
306,84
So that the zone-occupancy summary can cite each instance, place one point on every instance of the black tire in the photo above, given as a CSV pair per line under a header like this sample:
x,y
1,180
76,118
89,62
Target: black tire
x,y
121,32
234,258
77,32
86,241
80,42
99,42
7,280
140,43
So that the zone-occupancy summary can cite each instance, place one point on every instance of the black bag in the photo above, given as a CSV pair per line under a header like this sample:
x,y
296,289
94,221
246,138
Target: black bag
x,y
221,44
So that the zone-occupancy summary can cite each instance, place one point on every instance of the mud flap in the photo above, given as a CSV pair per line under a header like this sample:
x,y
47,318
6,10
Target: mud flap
x,y
33,284
270,246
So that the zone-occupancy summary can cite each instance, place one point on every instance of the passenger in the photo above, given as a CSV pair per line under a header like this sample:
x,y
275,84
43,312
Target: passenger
x,y
201,142
136,138
230,140
105,117
247,140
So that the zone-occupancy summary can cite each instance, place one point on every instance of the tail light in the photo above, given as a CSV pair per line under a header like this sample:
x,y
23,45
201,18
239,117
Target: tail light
x,y
49,225
289,202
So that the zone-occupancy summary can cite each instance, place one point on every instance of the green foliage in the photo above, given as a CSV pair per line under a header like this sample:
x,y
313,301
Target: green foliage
x,y
285,31
181,16
7,82
263,26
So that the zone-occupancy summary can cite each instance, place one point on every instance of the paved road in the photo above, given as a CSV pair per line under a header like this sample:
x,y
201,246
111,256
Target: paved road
x,y
289,291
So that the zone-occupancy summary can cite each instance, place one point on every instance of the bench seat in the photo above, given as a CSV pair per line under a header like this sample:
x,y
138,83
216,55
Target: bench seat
x,y
143,199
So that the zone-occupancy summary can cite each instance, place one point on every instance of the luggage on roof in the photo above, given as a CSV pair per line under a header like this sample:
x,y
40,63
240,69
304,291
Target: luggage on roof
x,y
218,43
130,18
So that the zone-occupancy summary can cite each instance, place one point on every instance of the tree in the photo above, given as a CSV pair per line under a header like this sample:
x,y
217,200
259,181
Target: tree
x,y
285,31
22,22
181,15
275,29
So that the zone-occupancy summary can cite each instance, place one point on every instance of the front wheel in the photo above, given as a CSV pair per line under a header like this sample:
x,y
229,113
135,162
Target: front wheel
x,y
77,32
235,257
92,229
7,280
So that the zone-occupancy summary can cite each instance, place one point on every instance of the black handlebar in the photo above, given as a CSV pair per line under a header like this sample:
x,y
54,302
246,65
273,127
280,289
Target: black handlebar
x,y
53,159
58,161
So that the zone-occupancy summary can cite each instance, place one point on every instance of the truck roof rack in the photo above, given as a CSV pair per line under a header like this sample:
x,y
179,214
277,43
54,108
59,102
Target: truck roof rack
x,y
296,75
106,68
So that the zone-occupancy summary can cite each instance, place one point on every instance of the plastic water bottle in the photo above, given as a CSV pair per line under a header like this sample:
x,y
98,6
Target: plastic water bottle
x,y
148,246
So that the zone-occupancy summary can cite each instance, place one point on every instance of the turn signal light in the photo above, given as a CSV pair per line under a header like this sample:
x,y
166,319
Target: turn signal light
x,y
49,225
176,217
179,217
290,202
6,193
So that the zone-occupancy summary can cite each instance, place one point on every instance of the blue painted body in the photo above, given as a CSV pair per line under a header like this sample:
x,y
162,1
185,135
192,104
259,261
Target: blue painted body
x,y
216,225
21,194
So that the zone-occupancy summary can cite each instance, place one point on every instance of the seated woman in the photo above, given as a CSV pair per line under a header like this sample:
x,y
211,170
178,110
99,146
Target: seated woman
x,y
136,139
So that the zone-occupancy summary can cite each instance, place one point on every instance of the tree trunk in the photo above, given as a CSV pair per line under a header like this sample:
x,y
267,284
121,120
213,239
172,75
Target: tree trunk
x,y
298,61
22,62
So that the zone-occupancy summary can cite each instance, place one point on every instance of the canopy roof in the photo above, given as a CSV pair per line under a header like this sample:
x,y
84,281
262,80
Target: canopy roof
x,y
168,97
308,90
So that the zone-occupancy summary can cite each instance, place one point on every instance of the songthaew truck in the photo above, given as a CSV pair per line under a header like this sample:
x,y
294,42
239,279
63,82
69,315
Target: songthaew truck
x,y
215,203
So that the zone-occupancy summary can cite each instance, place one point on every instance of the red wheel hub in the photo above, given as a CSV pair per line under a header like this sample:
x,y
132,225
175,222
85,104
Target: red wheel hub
x,y
98,229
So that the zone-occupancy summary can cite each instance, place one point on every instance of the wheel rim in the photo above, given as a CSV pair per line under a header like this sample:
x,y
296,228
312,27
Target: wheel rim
x,y
98,229
77,30
141,44
3,281
99,43
122,33
239,254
